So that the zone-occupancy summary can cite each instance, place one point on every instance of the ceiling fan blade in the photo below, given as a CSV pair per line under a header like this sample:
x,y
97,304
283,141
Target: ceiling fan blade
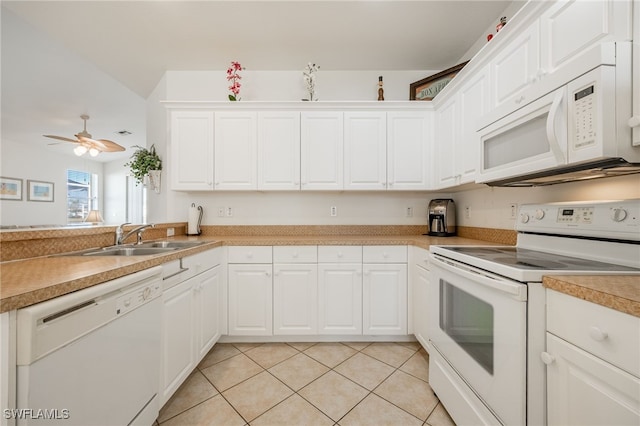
x,y
62,138
111,146
103,145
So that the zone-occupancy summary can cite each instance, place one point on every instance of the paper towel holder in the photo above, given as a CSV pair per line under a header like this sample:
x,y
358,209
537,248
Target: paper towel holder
x,y
200,212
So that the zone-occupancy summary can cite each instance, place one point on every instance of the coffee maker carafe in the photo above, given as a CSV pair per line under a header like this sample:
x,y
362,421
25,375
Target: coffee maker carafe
x,y
442,218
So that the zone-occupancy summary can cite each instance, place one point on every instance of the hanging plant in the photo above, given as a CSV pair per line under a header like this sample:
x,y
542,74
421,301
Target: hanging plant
x,y
142,161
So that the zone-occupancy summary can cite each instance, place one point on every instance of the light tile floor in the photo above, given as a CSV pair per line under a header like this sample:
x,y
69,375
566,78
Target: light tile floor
x,y
305,384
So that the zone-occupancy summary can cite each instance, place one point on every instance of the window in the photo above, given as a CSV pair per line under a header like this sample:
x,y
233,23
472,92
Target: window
x,y
82,195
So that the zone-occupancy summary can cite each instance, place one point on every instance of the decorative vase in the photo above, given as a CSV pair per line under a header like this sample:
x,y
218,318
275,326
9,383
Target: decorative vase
x,y
153,179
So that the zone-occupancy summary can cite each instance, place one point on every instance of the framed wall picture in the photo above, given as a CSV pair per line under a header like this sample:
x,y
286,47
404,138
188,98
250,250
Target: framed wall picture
x,y
39,191
10,188
427,88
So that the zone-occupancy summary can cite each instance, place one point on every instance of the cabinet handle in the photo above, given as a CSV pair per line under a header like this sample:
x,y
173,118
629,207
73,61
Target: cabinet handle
x,y
385,255
340,254
276,273
268,274
597,334
634,121
547,358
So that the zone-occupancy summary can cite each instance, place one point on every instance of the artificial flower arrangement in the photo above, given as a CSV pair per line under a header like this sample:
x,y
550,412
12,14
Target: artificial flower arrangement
x,y
233,76
310,79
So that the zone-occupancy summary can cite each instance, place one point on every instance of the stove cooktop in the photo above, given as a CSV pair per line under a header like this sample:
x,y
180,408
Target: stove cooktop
x,y
531,259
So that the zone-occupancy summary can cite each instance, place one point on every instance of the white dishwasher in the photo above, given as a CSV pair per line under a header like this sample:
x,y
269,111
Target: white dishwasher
x,y
92,357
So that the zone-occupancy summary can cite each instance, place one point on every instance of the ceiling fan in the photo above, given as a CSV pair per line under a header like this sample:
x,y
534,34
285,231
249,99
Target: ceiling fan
x,y
86,143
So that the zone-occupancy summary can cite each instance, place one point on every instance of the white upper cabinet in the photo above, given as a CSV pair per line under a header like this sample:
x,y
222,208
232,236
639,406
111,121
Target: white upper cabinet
x,y
236,146
409,135
365,150
278,150
445,143
473,103
569,27
322,144
516,66
191,148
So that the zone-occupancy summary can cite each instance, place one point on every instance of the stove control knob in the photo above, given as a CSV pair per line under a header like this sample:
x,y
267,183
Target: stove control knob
x,y
539,214
524,218
618,215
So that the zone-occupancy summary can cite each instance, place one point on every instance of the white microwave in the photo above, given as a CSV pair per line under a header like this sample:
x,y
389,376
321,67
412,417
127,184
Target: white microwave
x,y
577,131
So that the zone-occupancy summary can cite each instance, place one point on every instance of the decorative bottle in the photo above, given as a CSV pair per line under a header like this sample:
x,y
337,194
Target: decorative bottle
x,y
380,89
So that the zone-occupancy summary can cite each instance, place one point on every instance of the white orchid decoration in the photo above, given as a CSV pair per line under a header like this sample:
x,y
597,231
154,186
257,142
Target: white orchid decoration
x,y
310,80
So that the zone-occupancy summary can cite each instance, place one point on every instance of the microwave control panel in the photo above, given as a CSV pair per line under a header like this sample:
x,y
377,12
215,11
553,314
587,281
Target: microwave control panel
x,y
584,116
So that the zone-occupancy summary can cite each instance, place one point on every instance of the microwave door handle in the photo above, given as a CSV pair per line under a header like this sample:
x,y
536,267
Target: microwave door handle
x,y
556,149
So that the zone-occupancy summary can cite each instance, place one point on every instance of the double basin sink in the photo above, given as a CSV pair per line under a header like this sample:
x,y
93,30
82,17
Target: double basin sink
x,y
143,249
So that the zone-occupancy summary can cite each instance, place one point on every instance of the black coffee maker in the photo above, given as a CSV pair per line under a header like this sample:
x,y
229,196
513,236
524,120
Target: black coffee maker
x,y
442,217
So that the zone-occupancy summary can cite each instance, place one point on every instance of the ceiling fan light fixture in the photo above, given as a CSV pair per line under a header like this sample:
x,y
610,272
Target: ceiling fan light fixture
x,y
94,152
80,150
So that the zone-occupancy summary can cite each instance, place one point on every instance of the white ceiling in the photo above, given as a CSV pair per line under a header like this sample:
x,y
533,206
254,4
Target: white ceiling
x,y
135,42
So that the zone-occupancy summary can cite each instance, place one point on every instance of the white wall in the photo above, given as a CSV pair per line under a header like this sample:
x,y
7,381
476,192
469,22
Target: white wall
x,y
26,162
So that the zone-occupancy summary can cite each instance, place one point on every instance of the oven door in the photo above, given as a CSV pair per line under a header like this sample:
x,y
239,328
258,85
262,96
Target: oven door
x,y
477,322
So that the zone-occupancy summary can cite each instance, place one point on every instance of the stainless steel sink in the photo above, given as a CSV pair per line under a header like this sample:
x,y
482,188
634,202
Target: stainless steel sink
x,y
128,251
171,244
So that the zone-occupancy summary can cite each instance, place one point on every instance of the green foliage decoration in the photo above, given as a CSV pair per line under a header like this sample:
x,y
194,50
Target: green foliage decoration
x,y
143,160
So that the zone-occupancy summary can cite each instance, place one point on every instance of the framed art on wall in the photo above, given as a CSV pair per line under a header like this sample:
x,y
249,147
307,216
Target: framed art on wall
x,y
427,88
10,188
39,191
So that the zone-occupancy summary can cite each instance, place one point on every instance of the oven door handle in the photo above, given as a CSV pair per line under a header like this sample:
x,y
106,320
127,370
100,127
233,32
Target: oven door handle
x,y
516,290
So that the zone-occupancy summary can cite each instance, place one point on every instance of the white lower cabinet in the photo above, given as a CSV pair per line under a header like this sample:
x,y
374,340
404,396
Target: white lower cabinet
x,y
250,300
190,318
384,290
340,298
250,291
295,298
593,373
419,285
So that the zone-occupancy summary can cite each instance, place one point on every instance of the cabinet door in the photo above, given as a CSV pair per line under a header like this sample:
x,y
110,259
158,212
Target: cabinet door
x,y
516,67
191,146
365,150
295,299
570,27
384,288
207,293
250,300
420,283
340,299
322,150
278,150
473,103
445,142
178,337
409,137
236,146
583,389
634,122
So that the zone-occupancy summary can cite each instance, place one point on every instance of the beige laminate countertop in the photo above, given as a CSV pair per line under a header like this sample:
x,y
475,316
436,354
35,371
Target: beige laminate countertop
x,y
29,281
619,292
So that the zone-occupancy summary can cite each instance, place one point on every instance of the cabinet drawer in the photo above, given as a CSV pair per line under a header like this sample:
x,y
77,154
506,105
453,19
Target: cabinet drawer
x,y
339,254
295,254
384,254
601,331
249,254
202,261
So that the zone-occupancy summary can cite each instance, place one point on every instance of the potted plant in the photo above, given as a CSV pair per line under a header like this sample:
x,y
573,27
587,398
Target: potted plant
x,y
146,163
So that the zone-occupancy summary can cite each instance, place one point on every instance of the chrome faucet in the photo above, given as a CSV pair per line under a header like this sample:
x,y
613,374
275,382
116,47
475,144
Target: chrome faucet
x,y
120,238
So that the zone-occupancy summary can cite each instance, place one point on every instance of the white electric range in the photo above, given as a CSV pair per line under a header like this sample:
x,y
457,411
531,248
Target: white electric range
x,y
487,305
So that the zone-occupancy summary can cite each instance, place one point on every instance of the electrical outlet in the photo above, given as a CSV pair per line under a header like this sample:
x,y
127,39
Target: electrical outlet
x,y
229,211
171,232
513,213
220,211
409,212
333,211
467,212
